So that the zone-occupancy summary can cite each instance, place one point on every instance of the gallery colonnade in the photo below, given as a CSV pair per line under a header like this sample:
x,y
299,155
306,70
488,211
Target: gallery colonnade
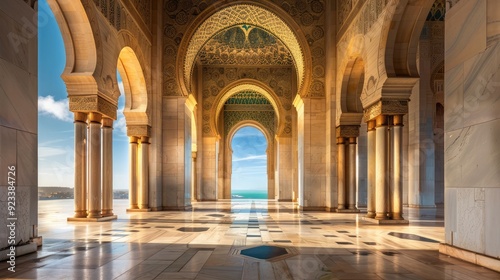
x,y
234,64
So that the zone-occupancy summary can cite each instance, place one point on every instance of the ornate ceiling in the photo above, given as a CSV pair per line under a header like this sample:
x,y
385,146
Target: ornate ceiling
x,y
245,45
248,97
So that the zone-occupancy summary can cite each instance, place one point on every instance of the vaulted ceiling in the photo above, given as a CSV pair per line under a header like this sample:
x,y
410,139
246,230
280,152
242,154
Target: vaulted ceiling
x,y
245,45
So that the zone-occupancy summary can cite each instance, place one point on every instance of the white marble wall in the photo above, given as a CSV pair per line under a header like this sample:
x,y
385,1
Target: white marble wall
x,y
209,170
421,148
362,172
311,121
176,154
284,169
18,117
472,130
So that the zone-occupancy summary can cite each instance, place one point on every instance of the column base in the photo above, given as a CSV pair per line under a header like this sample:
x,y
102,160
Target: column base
x,y
469,256
20,250
139,210
101,219
347,211
107,213
177,208
386,221
285,200
312,208
81,214
370,215
156,208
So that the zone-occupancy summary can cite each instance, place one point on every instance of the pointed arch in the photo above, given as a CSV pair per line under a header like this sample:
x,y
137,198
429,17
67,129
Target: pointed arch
x,y
216,19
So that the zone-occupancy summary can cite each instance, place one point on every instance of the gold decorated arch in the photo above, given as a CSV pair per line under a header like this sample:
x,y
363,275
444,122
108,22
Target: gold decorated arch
x,y
246,85
234,15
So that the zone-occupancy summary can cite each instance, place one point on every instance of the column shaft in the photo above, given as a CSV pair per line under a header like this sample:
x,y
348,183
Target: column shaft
x,y
144,174
381,168
94,163
133,172
352,173
341,173
80,165
397,161
107,167
371,169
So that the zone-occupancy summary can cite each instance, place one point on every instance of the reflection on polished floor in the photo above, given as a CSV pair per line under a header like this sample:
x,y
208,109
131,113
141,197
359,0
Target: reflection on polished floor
x,y
242,239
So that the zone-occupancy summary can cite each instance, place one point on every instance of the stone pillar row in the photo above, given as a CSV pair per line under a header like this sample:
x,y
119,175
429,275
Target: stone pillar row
x,y
385,182
93,166
346,174
139,173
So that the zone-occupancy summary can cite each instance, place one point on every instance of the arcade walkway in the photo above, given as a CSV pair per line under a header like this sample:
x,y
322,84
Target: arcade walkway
x,y
211,241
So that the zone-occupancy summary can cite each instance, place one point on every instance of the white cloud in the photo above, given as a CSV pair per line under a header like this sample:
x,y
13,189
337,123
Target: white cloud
x,y
58,109
121,124
121,87
44,152
250,158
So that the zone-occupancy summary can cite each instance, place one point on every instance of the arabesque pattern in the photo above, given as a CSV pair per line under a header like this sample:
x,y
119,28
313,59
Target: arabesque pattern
x,y
243,14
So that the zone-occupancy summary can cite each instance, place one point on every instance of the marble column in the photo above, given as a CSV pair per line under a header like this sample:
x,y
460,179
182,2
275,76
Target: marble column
x,y
381,168
284,189
143,179
397,163
94,165
351,174
133,172
194,179
107,167
341,173
80,165
371,169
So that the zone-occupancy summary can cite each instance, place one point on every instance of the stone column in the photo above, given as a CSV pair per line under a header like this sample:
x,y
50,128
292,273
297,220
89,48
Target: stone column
x,y
194,179
341,173
381,168
107,167
143,179
371,169
351,173
94,165
284,166
397,163
80,165
133,172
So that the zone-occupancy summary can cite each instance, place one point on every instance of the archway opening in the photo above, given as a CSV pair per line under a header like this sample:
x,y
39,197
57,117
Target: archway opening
x,y
249,164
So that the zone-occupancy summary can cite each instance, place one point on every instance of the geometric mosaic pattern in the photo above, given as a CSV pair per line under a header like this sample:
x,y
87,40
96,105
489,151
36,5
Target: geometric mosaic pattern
x,y
241,15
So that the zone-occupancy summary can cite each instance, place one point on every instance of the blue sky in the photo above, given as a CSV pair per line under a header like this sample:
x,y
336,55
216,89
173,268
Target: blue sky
x,y
249,160
55,121
55,125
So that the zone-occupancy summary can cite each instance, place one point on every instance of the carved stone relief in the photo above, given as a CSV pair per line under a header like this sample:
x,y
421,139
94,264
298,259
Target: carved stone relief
x,y
215,78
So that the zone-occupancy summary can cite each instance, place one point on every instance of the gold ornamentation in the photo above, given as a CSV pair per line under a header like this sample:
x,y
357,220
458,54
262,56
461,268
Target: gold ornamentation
x,y
347,131
92,104
139,130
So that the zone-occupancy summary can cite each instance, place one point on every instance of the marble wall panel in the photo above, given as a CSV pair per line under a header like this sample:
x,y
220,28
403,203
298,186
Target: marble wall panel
x,y
470,221
492,229
27,159
465,23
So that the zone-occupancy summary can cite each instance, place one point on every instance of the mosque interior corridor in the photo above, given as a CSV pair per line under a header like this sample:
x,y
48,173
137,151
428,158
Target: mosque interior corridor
x,y
216,240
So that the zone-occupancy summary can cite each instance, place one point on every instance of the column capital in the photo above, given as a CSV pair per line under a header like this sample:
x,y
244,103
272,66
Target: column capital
x,y
352,140
80,116
386,107
93,103
94,117
139,130
340,140
133,139
381,120
144,139
107,122
397,120
347,131
371,125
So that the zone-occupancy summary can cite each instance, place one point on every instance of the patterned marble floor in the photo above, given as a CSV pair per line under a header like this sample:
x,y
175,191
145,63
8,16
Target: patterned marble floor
x,y
211,241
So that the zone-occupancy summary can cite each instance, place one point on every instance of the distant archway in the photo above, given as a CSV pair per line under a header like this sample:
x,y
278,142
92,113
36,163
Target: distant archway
x,y
258,152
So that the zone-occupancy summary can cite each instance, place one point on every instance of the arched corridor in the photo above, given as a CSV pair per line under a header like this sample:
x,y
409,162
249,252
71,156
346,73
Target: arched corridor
x,y
379,120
